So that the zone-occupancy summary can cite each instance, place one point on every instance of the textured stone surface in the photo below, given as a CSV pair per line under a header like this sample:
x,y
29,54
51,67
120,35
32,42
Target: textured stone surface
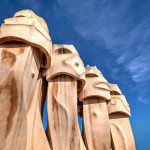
x,y
31,69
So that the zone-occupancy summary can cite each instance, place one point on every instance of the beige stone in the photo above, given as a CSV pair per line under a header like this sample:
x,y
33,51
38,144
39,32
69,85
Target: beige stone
x,y
17,63
36,137
119,111
22,54
36,32
66,60
96,85
66,77
95,94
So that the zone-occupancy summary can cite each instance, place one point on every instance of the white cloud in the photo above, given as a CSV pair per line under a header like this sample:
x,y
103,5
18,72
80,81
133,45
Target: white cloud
x,y
140,68
116,27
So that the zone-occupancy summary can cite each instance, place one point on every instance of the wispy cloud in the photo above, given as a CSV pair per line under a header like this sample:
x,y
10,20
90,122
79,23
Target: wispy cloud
x,y
122,28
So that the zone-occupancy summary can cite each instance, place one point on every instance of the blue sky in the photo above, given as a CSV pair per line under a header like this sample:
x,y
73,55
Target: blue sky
x,y
114,35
